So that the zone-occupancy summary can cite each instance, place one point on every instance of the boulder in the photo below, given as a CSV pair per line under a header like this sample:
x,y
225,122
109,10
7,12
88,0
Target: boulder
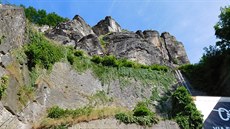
x,y
129,45
90,44
176,52
106,26
12,28
73,30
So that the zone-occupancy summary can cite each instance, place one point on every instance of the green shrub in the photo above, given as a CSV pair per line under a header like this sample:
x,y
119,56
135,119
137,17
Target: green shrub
x,y
159,67
42,52
125,118
141,115
41,17
183,121
96,59
3,85
25,94
141,110
56,112
79,53
109,61
184,110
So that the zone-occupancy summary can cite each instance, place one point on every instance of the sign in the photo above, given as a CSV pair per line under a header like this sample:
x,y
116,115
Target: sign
x,y
215,110
219,118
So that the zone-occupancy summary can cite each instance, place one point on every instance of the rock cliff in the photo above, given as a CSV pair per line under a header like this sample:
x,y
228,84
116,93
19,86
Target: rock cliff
x,y
66,87
106,26
147,47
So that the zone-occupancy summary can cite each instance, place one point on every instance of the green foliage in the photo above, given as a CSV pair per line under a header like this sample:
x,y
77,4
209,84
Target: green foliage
x,y
57,112
211,74
3,85
222,28
41,17
2,39
42,52
102,42
79,53
142,110
96,59
141,115
100,98
184,110
109,61
114,62
25,94
62,126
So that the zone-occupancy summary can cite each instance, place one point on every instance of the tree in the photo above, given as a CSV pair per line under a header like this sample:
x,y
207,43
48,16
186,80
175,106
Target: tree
x,y
222,28
41,17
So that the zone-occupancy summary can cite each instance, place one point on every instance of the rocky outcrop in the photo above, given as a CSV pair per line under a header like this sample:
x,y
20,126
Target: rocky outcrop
x,y
132,46
106,26
147,47
12,28
90,44
113,123
9,121
175,49
71,31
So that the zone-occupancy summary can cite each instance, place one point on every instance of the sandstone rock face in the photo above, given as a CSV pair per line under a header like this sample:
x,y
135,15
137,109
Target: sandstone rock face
x,y
70,31
12,30
132,46
176,51
90,44
113,123
12,27
10,121
106,26
146,47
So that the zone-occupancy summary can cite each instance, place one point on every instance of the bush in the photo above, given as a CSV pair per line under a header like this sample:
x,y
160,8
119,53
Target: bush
x,y
159,67
79,53
56,112
109,61
96,59
141,110
42,52
40,17
184,110
141,115
125,118
3,85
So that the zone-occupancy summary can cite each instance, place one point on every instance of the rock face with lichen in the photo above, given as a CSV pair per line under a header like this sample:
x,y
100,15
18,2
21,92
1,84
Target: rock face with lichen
x,y
147,47
66,87
106,26
71,31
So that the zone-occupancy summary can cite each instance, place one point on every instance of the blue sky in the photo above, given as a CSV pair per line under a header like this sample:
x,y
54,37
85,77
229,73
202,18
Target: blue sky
x,y
190,21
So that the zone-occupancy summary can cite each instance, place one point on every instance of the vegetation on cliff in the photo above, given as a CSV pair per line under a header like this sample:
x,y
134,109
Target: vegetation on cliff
x,y
184,110
211,74
140,115
3,85
41,17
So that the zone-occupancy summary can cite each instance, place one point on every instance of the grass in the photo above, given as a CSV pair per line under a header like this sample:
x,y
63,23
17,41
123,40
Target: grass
x,y
140,115
2,39
109,68
3,85
70,118
102,42
25,93
100,98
